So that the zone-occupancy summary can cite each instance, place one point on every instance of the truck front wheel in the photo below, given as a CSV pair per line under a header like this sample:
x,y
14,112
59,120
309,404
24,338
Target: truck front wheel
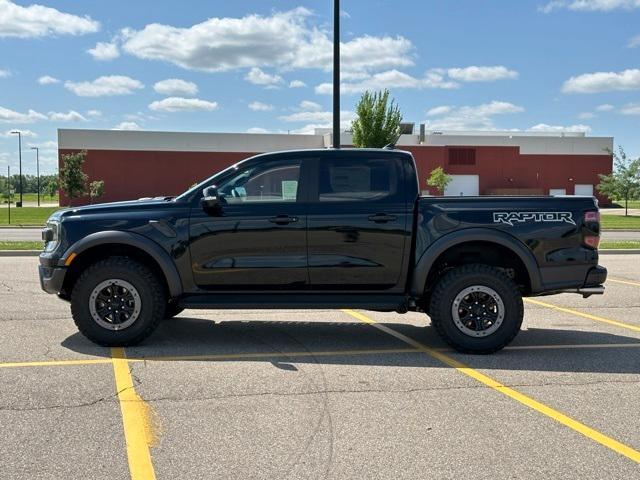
x,y
476,309
117,302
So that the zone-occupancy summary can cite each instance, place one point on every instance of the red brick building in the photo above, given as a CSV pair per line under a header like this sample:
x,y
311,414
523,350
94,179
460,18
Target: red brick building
x,y
136,164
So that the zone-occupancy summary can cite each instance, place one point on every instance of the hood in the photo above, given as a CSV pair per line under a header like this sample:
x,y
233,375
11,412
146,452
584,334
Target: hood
x,y
141,204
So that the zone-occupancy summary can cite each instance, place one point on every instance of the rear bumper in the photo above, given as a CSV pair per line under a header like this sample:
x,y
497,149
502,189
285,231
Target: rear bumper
x,y
596,276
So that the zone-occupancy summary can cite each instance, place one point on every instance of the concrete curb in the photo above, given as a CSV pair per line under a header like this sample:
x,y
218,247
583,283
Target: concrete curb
x,y
20,253
620,251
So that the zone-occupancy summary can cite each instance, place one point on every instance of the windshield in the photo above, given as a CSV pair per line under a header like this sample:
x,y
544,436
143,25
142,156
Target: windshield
x,y
198,186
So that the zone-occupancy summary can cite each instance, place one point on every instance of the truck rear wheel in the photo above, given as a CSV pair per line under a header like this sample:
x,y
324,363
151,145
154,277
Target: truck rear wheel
x,y
117,302
476,309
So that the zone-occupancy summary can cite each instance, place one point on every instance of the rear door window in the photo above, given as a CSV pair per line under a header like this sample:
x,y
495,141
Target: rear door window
x,y
359,180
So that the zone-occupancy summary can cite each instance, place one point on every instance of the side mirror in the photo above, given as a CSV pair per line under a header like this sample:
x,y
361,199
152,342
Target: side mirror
x,y
210,199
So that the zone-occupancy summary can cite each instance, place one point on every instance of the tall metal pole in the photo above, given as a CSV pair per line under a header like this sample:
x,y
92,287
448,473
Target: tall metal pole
x,y
336,73
9,192
37,170
19,133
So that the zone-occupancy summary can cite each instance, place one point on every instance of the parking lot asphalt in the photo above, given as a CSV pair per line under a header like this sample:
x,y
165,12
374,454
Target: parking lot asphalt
x,y
321,394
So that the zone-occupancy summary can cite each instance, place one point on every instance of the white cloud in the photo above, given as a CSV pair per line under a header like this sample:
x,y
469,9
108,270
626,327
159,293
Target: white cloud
x,y
478,117
70,116
603,82
589,5
257,130
606,107
437,111
48,145
94,113
127,126
391,79
104,51
176,86
631,109
47,80
297,84
180,104
586,115
24,133
258,77
482,74
260,107
5,73
11,116
634,42
284,40
309,105
40,21
543,127
311,114
104,86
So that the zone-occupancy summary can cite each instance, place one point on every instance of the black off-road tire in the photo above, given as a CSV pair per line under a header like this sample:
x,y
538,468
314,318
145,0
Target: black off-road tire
x,y
151,294
172,309
457,280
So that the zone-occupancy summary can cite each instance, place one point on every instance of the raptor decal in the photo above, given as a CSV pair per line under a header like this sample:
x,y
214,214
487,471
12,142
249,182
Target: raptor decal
x,y
509,218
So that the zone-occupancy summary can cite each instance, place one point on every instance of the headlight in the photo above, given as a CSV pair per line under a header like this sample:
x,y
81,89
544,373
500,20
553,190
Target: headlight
x,y
51,235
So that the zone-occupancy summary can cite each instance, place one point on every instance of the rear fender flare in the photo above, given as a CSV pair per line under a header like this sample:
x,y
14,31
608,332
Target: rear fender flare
x,y
431,254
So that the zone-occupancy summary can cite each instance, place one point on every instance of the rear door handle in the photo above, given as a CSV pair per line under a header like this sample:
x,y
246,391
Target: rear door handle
x,y
382,218
283,219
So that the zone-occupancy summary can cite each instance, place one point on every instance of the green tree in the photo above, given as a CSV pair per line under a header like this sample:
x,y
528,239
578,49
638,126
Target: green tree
x,y
73,181
624,182
51,187
378,121
96,189
439,179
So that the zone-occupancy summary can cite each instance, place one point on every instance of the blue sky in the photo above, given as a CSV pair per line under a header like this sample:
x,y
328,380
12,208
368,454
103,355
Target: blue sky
x,y
262,66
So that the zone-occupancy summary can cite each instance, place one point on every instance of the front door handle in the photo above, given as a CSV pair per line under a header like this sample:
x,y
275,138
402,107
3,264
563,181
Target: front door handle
x,y
382,218
283,219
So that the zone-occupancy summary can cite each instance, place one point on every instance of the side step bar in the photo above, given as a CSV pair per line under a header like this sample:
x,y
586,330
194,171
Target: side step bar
x,y
276,300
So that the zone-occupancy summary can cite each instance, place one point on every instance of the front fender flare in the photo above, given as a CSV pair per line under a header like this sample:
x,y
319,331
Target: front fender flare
x,y
427,259
145,244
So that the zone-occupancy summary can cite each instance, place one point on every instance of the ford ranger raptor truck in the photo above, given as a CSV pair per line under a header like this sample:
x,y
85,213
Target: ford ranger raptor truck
x,y
315,229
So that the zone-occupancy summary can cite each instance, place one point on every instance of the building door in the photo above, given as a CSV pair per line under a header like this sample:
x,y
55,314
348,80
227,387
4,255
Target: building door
x,y
584,189
463,186
554,192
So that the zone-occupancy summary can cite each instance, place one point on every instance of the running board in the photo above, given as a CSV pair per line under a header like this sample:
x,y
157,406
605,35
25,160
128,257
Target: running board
x,y
275,300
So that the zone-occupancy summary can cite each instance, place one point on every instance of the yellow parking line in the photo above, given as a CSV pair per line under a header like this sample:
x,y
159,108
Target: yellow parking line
x,y
509,392
596,318
54,363
136,419
626,282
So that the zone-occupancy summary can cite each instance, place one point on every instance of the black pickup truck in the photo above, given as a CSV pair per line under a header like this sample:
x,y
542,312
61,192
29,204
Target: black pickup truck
x,y
321,229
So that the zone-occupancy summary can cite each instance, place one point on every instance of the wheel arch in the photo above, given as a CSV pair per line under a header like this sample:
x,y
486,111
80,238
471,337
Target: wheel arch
x,y
500,240
109,243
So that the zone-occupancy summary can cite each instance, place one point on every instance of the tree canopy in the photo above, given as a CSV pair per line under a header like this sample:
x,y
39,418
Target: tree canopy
x,y
378,121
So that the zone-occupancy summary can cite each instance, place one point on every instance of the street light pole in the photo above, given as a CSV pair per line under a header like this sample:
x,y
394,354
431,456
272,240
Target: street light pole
x,y
37,170
19,133
336,74
9,193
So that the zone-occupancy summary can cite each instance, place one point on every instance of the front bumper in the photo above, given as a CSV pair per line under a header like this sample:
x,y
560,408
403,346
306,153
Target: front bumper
x,y
51,275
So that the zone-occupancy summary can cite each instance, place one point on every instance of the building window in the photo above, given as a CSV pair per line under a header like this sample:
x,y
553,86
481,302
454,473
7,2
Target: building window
x,y
462,156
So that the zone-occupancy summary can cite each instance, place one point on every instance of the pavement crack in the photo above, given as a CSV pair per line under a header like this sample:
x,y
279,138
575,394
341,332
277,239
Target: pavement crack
x,y
382,390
